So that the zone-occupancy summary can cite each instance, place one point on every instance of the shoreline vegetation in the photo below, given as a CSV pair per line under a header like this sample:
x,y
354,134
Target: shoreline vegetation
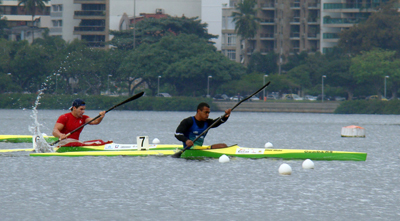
x,y
147,103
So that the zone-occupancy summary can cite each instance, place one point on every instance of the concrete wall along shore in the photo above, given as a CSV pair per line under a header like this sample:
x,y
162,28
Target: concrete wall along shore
x,y
289,107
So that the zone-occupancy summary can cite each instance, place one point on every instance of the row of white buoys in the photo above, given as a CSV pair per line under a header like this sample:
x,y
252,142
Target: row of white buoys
x,y
286,169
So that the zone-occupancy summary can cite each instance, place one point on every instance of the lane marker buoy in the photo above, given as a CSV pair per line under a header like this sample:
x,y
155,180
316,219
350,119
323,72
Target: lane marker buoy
x,y
268,145
156,141
285,169
308,164
224,159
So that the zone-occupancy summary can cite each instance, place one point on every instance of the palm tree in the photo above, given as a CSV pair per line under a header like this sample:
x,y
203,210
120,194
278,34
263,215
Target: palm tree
x,y
31,7
246,20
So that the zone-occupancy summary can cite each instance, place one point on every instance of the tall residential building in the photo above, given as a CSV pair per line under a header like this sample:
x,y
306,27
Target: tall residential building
x,y
286,27
339,15
293,26
91,20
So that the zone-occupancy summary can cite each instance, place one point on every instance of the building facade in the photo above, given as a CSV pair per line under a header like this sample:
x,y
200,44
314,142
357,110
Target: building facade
x,y
91,20
293,26
20,23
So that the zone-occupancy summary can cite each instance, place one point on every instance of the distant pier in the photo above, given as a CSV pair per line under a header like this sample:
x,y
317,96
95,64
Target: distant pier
x,y
286,107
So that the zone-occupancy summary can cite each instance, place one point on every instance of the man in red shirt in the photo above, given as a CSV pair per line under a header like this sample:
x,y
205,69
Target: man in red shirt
x,y
70,121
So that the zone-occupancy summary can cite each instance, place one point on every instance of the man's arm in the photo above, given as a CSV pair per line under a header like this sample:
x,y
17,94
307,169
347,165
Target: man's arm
x,y
183,127
56,131
98,120
223,120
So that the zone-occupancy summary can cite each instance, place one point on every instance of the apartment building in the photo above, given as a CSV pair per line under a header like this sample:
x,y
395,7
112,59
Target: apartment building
x,y
20,23
339,15
91,20
293,26
286,27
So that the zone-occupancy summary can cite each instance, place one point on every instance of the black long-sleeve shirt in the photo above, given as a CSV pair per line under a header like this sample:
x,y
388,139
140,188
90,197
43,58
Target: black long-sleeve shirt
x,y
187,123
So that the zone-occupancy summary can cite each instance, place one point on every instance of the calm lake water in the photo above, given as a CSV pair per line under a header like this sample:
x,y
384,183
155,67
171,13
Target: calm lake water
x,y
164,188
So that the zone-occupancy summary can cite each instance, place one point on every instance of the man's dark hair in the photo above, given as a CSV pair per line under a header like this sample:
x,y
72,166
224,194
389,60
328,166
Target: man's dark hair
x,y
202,105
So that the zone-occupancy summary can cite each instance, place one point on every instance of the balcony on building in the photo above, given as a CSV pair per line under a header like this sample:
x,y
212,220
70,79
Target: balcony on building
x,y
90,14
268,6
330,37
267,36
295,21
350,7
313,36
294,50
265,51
295,36
314,6
249,51
267,21
94,30
295,5
342,22
90,1
313,21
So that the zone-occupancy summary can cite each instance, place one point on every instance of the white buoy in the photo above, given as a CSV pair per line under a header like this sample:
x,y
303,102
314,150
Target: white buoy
x,y
156,141
268,145
308,164
223,159
285,169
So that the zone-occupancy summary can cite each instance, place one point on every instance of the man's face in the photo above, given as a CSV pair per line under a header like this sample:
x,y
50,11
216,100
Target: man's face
x,y
203,114
79,111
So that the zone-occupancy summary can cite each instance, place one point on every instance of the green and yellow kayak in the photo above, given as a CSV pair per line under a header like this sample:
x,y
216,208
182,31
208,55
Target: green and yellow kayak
x,y
206,152
236,151
23,138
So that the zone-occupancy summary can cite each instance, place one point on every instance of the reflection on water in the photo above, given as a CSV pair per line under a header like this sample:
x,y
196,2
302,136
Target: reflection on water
x,y
164,188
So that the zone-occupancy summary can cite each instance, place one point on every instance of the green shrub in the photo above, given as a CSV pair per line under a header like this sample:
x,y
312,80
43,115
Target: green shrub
x,y
49,101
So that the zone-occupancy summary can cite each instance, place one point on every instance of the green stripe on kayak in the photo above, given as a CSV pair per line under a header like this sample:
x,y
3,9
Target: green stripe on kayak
x,y
23,138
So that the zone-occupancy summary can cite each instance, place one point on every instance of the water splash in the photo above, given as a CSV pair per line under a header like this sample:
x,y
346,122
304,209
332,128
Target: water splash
x,y
39,143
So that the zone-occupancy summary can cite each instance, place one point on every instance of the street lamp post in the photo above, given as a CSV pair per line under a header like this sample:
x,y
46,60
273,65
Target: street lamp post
x,y
9,74
264,98
385,85
55,92
322,98
208,86
108,83
134,23
158,87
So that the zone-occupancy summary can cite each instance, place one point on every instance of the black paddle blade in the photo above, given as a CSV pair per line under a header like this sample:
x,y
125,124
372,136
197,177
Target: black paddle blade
x,y
177,154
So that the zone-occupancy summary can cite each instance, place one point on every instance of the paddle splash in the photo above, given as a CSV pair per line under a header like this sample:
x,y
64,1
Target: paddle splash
x,y
39,143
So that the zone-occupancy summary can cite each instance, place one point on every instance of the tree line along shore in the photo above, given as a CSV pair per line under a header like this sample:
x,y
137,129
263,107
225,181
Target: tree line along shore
x,y
149,103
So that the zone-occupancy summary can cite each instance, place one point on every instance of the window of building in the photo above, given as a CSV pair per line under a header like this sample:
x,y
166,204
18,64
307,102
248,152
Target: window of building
x,y
57,23
231,54
224,22
223,41
231,24
231,39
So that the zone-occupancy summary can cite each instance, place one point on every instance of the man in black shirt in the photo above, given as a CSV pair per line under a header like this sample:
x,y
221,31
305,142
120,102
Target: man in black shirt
x,y
189,128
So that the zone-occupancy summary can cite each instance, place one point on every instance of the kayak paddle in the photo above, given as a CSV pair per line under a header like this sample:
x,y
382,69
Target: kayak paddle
x,y
179,153
134,97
